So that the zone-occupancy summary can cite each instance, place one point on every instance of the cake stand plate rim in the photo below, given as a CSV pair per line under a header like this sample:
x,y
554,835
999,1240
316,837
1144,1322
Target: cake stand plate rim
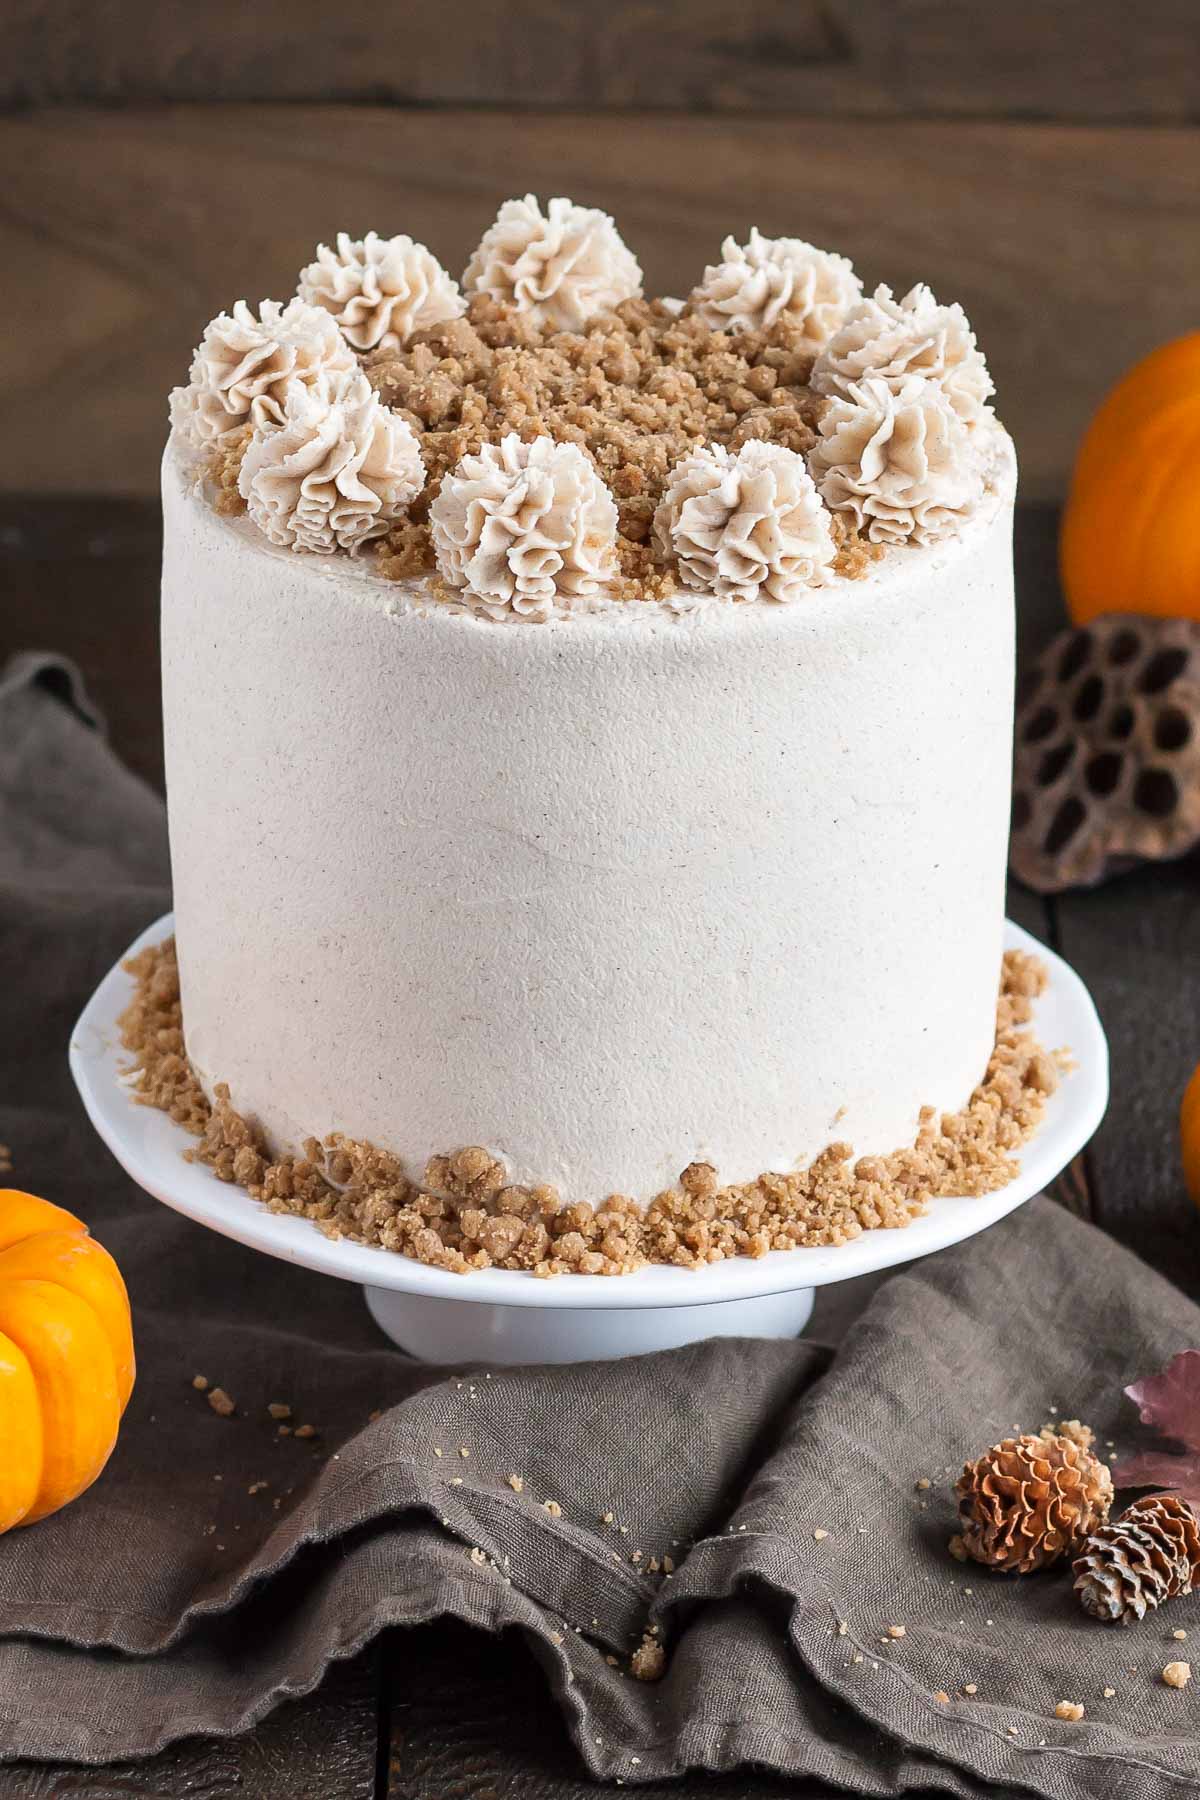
x,y
149,1146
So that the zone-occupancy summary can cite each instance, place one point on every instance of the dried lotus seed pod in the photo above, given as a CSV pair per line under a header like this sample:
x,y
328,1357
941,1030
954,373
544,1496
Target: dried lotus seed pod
x,y
1107,760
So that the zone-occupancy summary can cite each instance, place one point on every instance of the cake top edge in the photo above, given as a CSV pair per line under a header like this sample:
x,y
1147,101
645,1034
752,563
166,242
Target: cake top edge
x,y
541,439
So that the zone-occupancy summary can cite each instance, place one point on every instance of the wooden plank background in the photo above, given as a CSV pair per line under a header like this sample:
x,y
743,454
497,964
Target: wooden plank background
x,y
1040,164
1075,59
1075,249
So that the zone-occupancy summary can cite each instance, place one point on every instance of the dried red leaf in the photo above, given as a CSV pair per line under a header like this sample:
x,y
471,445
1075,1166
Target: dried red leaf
x,y
1170,1402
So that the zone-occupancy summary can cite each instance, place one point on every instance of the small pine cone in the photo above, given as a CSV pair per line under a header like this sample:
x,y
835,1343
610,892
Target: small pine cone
x,y
1030,1500
1148,1555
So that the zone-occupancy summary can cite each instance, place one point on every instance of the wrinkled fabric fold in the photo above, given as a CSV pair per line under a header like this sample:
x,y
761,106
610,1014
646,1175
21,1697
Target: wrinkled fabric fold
x,y
746,1499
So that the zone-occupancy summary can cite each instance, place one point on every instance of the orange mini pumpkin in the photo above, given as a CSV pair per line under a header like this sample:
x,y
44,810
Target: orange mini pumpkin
x,y
1131,530
1189,1134
66,1357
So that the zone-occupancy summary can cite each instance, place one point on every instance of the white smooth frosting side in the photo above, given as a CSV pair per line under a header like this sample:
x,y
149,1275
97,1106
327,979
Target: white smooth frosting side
x,y
527,528
744,526
243,365
380,290
605,896
757,283
562,266
337,469
890,340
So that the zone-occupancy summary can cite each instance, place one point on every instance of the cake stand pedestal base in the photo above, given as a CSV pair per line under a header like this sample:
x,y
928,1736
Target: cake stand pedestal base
x,y
455,1331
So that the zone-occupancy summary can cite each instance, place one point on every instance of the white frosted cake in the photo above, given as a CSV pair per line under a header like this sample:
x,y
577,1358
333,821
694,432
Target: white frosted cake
x,y
588,732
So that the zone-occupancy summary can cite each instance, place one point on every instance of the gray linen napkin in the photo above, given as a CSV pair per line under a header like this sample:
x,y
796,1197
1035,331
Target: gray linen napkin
x,y
182,1595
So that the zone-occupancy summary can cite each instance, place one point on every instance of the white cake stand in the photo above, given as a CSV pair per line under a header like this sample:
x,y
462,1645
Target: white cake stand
x,y
505,1316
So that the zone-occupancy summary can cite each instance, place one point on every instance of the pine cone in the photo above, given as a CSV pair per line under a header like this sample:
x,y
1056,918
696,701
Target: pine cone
x,y
1030,1500
1148,1555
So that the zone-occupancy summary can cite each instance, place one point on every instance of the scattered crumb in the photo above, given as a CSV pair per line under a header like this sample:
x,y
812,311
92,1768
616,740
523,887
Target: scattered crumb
x,y
372,1416
463,1214
553,1508
1177,1674
1179,1635
971,1688
278,1410
1068,1709
200,1383
843,1627
556,1637
257,1487
306,1431
649,1659
5,1160
668,1563
1110,1693
896,1631
943,1696
464,1452
478,1557
284,1431
220,1402
516,1483
924,1484
1072,1429
818,1534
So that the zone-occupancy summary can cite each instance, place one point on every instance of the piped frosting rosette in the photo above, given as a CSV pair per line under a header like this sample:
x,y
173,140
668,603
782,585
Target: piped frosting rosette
x,y
526,528
899,459
744,526
336,470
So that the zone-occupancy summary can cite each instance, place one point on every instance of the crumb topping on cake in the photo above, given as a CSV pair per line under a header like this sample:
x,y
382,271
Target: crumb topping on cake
x,y
881,401
463,1214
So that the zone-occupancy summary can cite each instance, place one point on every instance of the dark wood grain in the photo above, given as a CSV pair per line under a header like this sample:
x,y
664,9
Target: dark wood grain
x,y
325,1747
460,1703
81,578
1074,250
1136,943
1083,59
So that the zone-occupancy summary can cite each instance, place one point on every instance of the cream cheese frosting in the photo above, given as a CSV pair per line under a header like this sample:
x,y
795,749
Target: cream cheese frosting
x,y
744,526
757,282
527,528
380,290
899,460
336,469
562,267
243,366
890,340
624,891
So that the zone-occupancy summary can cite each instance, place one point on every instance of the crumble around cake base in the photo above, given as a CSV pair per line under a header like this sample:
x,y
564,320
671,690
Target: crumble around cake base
x,y
464,1215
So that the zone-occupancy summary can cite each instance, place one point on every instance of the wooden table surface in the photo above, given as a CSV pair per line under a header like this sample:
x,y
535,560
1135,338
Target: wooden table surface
x,y
439,1714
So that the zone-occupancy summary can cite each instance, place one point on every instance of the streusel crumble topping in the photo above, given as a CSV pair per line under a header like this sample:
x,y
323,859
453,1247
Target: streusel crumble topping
x,y
341,419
